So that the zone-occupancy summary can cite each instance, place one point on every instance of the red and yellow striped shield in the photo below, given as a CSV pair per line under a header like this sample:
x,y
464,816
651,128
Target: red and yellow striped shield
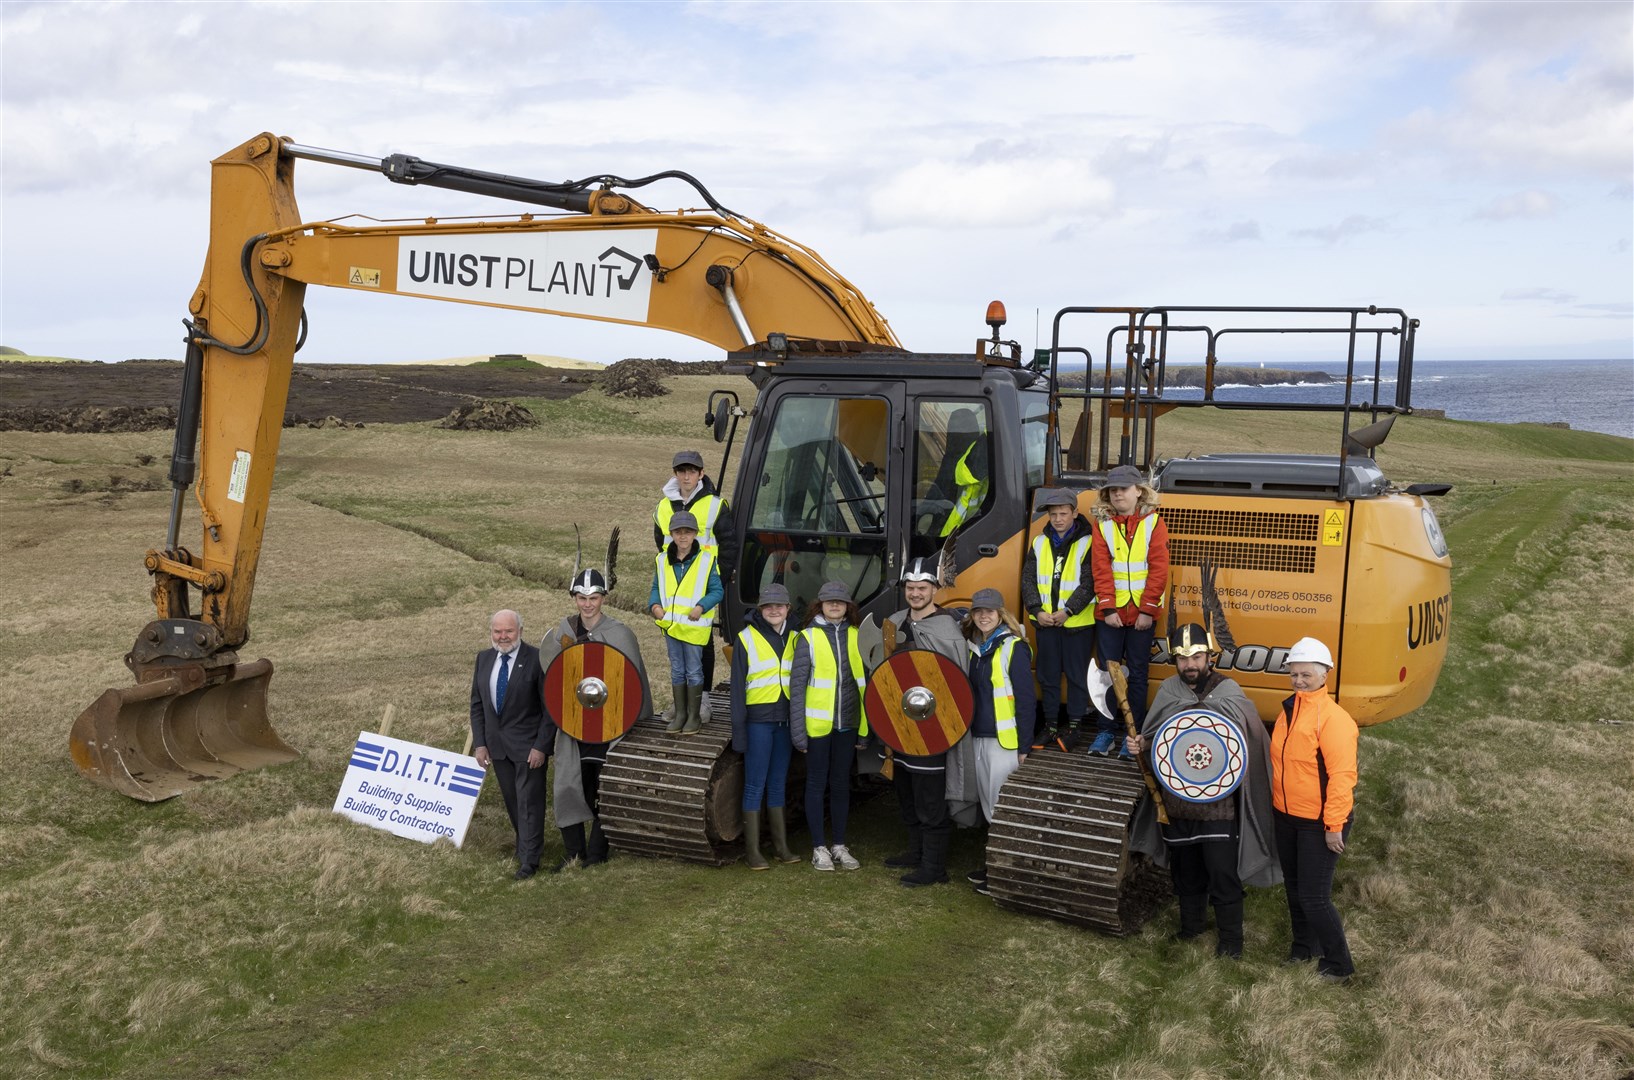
x,y
909,669
584,674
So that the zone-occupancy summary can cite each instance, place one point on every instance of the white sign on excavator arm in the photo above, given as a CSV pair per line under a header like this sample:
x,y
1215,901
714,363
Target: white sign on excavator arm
x,y
602,274
419,792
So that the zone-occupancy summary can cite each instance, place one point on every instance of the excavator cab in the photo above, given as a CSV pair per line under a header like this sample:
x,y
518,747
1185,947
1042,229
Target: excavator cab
x,y
858,460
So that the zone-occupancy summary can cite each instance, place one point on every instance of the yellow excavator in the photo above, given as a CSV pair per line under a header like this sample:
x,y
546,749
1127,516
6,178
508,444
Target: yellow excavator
x,y
859,456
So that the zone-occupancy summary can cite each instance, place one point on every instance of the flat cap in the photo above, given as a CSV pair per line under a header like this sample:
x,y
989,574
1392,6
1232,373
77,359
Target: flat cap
x,y
1048,497
683,519
687,457
834,590
991,599
773,594
1124,476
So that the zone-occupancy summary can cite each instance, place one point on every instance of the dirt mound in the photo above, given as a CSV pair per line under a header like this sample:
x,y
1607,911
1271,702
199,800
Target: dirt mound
x,y
296,420
489,416
90,419
635,379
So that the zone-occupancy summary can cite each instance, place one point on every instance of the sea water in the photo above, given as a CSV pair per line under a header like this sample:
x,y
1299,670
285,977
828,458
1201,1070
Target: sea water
x,y
1588,395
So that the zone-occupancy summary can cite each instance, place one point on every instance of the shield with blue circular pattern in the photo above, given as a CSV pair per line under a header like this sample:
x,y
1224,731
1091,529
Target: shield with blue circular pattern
x,y
1199,755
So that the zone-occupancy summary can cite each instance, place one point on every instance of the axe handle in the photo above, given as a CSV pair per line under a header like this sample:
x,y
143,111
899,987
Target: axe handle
x,y
888,636
567,641
1120,687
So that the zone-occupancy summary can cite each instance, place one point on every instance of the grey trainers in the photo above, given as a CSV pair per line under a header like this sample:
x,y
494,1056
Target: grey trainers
x,y
821,859
842,855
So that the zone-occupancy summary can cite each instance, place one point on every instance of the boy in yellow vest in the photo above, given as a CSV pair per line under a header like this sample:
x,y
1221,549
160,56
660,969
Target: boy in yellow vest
x,y
1058,591
686,588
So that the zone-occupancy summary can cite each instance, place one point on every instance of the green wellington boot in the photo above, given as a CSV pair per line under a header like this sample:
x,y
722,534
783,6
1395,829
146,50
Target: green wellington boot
x,y
680,716
780,835
695,716
751,841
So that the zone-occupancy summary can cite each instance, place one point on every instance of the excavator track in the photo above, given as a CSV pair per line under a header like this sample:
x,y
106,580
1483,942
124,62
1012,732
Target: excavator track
x,y
676,796
1059,844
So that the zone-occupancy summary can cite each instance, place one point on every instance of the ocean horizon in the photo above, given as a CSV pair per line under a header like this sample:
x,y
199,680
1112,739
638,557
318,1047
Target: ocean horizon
x,y
1588,395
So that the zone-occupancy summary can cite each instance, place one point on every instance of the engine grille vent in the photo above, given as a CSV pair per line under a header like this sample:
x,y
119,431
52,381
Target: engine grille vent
x,y
1243,524
1225,529
1282,558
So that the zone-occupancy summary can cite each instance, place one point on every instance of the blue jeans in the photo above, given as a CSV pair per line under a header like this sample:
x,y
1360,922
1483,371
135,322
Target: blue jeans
x,y
766,765
1133,648
686,662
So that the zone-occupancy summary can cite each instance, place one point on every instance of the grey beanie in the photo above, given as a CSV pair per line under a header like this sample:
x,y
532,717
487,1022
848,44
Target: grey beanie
x,y
1123,476
683,519
834,590
773,594
688,457
991,599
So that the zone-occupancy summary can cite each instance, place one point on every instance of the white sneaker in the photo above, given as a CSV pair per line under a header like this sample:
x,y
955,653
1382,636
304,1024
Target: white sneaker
x,y
821,860
842,855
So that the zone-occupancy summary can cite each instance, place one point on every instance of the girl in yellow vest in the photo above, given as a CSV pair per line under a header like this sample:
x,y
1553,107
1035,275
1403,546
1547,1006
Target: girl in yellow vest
x,y
826,720
686,588
1130,559
1001,679
760,721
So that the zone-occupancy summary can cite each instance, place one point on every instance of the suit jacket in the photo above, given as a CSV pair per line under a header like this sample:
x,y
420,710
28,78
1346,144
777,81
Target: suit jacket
x,y
521,727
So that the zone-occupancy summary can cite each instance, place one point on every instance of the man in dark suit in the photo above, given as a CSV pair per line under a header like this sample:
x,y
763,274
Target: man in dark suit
x,y
509,732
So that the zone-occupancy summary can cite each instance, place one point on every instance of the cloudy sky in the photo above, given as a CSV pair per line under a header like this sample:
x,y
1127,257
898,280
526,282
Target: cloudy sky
x,y
1470,162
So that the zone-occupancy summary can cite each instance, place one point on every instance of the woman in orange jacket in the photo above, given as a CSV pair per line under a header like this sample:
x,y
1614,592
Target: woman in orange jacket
x,y
1313,779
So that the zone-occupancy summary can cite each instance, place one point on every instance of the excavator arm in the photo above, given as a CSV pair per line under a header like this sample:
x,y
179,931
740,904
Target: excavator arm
x,y
197,713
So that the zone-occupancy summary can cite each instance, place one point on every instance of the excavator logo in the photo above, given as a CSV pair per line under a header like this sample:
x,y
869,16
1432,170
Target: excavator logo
x,y
624,281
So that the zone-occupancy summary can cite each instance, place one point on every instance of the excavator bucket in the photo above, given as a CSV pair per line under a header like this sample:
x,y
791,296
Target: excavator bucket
x,y
157,739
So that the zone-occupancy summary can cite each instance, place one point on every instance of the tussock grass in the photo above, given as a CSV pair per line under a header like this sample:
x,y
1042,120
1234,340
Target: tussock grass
x,y
243,930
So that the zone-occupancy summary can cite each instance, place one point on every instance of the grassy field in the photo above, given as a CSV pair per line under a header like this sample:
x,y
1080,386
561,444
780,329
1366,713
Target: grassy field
x,y
241,930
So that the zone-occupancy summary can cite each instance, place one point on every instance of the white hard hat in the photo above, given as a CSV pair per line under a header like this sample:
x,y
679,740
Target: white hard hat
x,y
1307,650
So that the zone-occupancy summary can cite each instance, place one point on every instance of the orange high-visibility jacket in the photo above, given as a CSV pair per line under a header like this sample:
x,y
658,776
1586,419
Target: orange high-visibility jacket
x,y
1313,760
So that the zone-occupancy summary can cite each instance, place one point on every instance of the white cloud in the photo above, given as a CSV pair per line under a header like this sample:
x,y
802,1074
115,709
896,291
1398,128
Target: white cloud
x,y
1551,296
1522,204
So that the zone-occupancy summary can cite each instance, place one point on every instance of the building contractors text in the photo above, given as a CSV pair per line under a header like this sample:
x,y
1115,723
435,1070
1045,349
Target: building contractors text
x,y
414,791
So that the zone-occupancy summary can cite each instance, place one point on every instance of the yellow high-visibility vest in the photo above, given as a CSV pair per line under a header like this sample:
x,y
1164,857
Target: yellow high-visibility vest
x,y
680,597
972,493
767,680
823,691
1004,694
707,510
1129,559
1071,568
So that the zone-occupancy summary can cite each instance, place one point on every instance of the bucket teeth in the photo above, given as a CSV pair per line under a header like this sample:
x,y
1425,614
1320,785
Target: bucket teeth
x,y
155,740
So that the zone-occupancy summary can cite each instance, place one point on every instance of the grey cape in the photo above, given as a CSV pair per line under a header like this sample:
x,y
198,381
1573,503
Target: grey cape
x,y
570,805
1257,863
941,633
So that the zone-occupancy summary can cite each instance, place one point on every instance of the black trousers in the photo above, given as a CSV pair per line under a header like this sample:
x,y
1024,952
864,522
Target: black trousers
x,y
1064,652
1307,874
1206,867
922,799
524,792
828,771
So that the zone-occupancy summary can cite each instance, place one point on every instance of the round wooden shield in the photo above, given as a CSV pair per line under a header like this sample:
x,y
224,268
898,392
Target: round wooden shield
x,y
919,702
593,692
1198,755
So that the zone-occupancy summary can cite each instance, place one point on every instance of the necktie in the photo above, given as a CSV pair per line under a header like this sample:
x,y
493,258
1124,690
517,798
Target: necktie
x,y
504,677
